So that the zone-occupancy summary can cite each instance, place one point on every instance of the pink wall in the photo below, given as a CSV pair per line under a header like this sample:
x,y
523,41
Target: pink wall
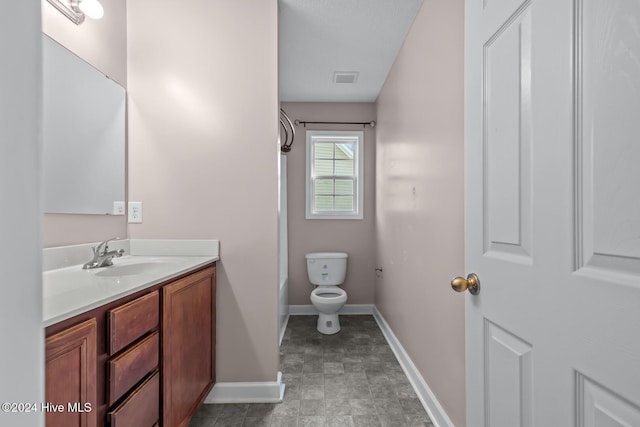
x,y
420,200
103,44
355,237
203,156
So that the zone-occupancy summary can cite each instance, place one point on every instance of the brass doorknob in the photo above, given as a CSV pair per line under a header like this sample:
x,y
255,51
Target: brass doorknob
x,y
472,283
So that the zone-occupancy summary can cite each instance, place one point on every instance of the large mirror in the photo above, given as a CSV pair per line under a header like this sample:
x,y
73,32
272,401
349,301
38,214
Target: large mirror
x,y
83,124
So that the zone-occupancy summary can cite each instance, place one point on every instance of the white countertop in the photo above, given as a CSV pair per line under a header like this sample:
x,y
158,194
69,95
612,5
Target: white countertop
x,y
68,290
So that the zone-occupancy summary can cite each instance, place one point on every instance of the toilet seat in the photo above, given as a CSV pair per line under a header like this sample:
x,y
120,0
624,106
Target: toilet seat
x,y
333,294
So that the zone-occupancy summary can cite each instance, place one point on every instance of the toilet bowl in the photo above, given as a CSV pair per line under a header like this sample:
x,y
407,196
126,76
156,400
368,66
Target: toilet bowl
x,y
326,271
328,300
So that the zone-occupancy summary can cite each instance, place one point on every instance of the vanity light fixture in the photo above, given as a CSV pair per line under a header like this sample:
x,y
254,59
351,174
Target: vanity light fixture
x,y
76,10
92,8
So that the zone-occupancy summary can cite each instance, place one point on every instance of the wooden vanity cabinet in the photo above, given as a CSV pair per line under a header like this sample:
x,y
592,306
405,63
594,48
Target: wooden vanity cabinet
x,y
70,376
145,360
188,345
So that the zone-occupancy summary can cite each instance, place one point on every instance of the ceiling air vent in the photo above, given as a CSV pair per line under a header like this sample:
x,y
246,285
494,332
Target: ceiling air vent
x,y
345,77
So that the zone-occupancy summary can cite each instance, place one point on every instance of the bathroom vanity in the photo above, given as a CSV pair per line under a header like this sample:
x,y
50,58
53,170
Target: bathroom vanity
x,y
140,357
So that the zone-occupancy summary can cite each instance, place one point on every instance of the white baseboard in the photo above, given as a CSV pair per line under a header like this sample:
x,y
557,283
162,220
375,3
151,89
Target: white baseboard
x,y
437,414
309,309
247,392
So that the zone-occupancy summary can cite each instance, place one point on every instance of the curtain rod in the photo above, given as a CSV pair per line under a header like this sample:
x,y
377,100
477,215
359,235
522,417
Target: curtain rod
x,y
304,123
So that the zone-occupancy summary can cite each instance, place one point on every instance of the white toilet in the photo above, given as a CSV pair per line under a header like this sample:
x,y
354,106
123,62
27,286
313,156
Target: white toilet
x,y
327,271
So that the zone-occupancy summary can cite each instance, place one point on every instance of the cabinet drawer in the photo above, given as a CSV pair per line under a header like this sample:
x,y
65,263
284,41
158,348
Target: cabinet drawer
x,y
132,320
131,366
141,408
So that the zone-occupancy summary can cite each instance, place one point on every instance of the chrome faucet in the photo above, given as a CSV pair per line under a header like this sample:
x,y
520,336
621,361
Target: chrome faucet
x,y
102,256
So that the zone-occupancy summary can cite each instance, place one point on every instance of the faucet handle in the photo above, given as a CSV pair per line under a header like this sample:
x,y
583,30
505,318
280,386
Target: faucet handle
x,y
96,250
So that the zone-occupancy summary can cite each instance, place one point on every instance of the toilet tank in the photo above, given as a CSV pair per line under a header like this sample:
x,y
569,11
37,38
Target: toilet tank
x,y
327,268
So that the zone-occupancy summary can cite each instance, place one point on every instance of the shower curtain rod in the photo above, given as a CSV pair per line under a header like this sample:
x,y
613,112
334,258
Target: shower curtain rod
x,y
304,123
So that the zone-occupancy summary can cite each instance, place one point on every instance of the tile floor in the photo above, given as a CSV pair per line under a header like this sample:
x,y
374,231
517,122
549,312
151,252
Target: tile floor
x,y
350,379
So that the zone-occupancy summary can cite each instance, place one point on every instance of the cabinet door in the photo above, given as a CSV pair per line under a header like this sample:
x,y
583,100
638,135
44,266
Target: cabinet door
x,y
71,376
188,345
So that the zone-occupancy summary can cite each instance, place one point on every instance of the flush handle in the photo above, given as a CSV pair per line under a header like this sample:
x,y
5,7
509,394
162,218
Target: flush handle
x,y
471,283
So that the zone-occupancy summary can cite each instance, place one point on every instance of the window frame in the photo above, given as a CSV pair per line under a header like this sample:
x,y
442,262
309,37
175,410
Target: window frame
x,y
358,188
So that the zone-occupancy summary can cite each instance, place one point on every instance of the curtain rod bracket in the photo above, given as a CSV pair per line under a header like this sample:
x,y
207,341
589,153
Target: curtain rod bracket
x,y
285,123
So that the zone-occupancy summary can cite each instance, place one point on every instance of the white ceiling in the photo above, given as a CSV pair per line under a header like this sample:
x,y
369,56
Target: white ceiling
x,y
320,37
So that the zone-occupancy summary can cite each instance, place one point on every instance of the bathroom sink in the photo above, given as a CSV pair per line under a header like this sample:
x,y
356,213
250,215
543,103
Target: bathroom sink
x,y
131,269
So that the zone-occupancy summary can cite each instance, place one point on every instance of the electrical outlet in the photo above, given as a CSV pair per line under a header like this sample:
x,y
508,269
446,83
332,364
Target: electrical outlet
x,y
135,212
118,208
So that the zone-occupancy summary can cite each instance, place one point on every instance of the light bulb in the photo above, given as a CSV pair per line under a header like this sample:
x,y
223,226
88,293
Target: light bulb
x,y
92,8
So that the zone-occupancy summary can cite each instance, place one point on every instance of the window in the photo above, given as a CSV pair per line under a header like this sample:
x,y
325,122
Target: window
x,y
334,175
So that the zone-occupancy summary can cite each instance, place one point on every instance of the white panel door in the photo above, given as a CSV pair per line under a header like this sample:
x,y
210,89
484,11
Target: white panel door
x,y
552,147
